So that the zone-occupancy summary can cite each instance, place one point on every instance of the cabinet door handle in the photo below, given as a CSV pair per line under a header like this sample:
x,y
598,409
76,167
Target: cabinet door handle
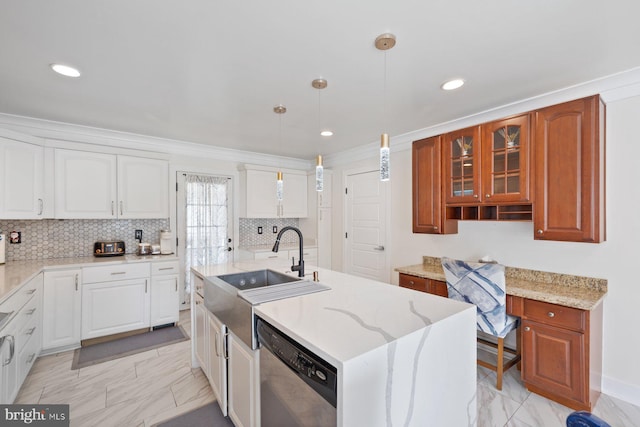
x,y
176,285
41,204
527,329
113,208
273,256
121,210
146,285
76,282
118,272
30,291
165,268
30,312
31,331
31,357
225,346
379,248
12,349
216,345
551,314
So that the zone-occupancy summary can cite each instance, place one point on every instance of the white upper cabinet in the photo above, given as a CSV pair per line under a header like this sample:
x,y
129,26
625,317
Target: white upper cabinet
x,y
21,180
259,199
143,188
85,184
96,185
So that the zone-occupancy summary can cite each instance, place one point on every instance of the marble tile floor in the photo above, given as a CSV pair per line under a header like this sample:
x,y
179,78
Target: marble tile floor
x,y
150,387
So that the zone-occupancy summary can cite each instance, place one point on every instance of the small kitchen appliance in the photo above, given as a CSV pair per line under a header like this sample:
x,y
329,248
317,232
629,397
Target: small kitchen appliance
x,y
144,249
2,244
108,248
165,242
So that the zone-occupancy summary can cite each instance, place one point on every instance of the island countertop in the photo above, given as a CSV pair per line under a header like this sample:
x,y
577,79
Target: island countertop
x,y
400,355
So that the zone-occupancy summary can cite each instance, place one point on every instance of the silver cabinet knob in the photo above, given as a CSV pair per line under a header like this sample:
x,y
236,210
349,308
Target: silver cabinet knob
x,y
551,314
539,231
475,195
526,328
435,227
487,195
411,282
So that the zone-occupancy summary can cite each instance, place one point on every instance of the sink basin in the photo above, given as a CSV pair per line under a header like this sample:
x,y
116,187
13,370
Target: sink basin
x,y
256,279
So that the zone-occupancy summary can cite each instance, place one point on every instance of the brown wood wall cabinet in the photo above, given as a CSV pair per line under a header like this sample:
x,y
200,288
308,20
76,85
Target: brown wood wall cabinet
x,y
569,149
561,346
428,207
486,172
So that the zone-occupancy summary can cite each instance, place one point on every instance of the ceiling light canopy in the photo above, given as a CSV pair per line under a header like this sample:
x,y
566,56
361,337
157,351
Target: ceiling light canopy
x,y
452,84
65,70
326,133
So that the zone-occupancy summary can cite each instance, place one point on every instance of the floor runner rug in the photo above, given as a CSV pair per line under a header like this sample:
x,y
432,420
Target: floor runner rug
x,y
209,415
98,353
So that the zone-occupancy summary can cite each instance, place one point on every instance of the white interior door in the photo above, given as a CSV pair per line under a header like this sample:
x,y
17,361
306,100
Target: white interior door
x,y
366,226
205,223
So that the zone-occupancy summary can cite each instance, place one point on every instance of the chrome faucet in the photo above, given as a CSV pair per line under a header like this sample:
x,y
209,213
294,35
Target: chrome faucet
x,y
300,267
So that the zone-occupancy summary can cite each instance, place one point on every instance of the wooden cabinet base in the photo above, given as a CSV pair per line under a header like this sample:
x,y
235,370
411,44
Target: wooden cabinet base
x,y
578,406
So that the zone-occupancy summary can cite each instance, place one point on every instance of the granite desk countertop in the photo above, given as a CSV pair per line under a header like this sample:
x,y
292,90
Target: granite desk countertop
x,y
572,291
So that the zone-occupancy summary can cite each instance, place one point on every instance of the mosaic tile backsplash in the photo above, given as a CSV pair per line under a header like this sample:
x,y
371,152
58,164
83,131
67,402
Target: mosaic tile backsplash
x,y
54,238
249,231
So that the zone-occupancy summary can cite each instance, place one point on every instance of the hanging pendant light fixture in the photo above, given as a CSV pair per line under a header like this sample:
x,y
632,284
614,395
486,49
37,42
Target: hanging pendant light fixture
x,y
280,110
319,84
385,42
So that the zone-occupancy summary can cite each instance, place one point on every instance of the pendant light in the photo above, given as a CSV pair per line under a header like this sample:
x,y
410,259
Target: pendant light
x,y
319,84
385,42
280,110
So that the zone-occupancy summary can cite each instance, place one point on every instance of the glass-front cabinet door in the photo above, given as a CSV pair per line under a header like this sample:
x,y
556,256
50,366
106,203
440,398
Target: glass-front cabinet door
x,y
462,166
505,159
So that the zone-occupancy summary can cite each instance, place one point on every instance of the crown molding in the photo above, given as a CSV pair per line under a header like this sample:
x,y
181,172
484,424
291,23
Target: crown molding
x,y
59,131
611,88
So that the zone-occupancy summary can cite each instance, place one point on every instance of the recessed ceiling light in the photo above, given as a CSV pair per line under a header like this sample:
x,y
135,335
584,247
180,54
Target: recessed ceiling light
x,y
326,133
452,84
65,70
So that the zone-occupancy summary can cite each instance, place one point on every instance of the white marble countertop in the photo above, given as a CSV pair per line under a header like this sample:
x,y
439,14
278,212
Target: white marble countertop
x,y
14,274
356,316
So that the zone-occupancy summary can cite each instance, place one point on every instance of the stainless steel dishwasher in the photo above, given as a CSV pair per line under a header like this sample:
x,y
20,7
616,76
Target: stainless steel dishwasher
x,y
297,388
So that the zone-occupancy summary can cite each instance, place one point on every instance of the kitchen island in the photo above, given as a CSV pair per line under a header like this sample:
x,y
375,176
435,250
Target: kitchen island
x,y
402,357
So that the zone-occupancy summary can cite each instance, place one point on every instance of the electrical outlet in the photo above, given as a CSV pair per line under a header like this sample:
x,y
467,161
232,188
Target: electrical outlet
x,y
275,229
139,235
259,230
15,237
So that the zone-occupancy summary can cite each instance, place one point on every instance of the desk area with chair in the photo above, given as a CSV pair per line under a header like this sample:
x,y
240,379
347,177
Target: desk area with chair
x,y
560,319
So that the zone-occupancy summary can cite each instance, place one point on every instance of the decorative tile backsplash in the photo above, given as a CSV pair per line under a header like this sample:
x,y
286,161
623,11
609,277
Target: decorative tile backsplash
x,y
249,231
61,238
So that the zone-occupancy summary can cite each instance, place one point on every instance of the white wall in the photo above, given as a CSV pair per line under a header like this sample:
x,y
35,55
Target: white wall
x,y
512,244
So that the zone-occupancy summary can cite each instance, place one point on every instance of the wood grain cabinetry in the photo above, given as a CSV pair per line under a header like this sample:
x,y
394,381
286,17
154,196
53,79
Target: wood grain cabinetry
x,y
547,164
561,351
569,151
423,284
428,206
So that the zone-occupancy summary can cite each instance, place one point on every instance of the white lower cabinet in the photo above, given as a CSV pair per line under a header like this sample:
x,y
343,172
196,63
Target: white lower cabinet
x,y
114,307
165,296
201,335
61,309
217,367
20,338
244,383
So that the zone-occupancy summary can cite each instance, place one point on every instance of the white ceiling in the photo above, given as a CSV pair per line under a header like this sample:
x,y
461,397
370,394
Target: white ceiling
x,y
211,71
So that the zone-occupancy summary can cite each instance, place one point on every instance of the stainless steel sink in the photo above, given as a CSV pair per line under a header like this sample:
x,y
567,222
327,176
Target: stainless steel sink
x,y
231,297
256,279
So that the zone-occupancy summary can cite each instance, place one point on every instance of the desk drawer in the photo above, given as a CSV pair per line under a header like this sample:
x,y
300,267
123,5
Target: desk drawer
x,y
414,282
115,272
556,315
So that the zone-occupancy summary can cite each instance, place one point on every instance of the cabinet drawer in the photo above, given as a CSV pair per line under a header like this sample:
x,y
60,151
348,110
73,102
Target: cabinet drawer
x,y
271,255
167,267
115,272
28,321
553,314
414,282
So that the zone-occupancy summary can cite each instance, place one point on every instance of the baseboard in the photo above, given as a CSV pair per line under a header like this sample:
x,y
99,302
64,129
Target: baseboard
x,y
621,390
